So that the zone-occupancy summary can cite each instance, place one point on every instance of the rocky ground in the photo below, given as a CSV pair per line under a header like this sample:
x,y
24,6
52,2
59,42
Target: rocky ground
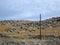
x,y
50,28
11,30
42,42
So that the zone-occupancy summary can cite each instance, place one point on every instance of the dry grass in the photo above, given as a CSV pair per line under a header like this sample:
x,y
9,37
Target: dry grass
x,y
46,31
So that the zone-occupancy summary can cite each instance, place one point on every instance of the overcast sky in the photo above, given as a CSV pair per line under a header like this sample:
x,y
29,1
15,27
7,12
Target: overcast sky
x,y
28,9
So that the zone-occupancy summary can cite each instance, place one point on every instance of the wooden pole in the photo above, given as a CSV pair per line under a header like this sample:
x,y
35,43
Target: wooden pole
x,y
40,26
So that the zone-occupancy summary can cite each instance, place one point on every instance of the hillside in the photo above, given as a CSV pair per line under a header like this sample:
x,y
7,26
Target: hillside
x,y
22,29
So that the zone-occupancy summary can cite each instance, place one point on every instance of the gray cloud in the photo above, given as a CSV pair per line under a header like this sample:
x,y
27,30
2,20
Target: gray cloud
x,y
29,9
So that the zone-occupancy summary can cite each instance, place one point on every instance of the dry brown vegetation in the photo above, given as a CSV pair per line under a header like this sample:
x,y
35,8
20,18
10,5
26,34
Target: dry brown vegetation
x,y
26,29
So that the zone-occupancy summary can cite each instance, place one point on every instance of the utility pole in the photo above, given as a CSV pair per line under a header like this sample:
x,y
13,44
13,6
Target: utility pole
x,y
40,26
